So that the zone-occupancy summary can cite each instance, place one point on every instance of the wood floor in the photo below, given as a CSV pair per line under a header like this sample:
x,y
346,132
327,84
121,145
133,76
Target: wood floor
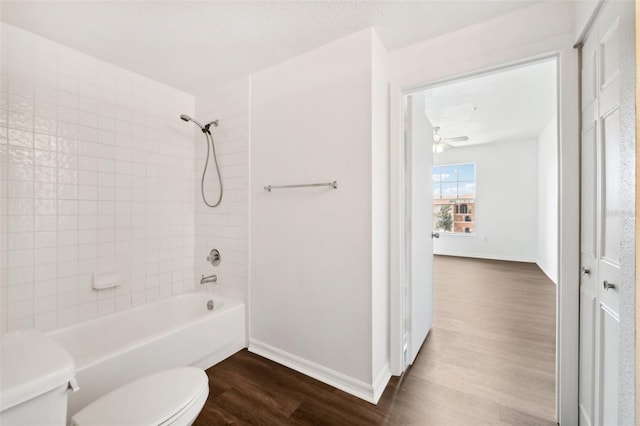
x,y
489,360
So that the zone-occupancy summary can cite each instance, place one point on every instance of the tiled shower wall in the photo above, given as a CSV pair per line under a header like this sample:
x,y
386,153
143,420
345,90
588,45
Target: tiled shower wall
x,y
96,175
226,226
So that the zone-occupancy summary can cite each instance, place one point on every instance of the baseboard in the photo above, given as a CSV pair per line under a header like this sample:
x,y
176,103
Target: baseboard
x,y
489,257
380,382
326,375
542,268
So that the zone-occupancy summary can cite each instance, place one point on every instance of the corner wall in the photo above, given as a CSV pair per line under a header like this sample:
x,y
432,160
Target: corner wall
x,y
380,215
311,247
313,306
225,227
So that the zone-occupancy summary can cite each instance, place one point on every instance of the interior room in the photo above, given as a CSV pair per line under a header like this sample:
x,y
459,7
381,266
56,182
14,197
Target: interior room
x,y
206,203
495,234
504,125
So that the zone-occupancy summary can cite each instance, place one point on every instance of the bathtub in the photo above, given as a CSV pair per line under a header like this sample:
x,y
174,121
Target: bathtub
x,y
179,331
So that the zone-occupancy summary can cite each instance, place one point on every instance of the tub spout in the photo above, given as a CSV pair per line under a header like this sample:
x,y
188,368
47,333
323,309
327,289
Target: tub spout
x,y
209,279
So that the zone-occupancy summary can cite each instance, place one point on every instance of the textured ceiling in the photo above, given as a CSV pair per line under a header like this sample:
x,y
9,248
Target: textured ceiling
x,y
192,45
509,105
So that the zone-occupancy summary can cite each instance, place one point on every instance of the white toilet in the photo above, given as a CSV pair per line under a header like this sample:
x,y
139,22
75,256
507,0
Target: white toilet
x,y
36,374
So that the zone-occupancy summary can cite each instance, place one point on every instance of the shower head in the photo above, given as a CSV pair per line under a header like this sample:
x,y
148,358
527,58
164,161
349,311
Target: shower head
x,y
185,117
205,128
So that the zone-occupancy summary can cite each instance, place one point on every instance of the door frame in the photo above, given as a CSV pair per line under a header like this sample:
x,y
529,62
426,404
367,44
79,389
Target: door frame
x,y
567,290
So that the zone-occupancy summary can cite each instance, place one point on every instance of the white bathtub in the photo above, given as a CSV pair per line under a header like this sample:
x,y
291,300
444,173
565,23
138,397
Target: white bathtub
x,y
179,331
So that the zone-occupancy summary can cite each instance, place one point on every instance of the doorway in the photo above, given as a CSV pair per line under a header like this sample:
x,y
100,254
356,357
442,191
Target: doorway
x,y
481,173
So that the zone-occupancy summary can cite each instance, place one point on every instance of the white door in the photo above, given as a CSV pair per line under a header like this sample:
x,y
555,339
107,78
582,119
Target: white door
x,y
418,288
600,218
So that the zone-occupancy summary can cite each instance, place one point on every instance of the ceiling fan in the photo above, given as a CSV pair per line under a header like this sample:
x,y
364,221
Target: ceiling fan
x,y
439,143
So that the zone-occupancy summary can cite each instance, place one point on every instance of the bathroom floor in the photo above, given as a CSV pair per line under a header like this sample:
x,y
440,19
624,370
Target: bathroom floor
x,y
489,360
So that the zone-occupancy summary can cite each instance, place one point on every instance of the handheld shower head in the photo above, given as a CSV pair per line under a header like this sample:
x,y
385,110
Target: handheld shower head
x,y
209,138
185,117
205,128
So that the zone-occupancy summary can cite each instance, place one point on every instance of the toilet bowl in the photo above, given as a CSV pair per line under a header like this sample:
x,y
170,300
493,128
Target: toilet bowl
x,y
36,375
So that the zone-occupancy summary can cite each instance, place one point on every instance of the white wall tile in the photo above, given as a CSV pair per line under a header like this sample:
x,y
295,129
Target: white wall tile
x,y
224,227
46,288
46,304
22,323
20,309
20,292
95,166
46,321
20,86
48,94
20,240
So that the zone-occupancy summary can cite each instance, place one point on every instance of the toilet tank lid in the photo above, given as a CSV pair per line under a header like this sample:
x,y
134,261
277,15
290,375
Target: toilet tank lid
x,y
31,364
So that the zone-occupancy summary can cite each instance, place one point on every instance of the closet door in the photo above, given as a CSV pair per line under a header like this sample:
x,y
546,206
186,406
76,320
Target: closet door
x,y
600,218
609,235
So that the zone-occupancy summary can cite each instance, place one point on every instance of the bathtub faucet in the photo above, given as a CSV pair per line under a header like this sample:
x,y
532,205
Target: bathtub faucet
x,y
209,279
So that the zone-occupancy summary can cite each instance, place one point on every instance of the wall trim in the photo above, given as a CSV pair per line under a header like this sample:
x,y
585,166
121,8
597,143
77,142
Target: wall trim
x,y
543,269
380,382
489,257
326,375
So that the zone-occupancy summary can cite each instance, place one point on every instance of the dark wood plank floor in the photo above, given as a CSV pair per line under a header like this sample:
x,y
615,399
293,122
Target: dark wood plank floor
x,y
489,360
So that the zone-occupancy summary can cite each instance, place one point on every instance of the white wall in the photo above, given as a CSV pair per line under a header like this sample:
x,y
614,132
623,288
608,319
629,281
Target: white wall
x,y
506,209
311,297
97,175
539,29
380,213
547,257
225,227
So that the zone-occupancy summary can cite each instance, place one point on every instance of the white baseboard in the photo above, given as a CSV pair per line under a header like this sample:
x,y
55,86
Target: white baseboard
x,y
380,382
370,393
542,268
489,257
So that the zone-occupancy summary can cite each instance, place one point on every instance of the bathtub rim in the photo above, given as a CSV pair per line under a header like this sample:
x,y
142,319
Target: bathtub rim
x,y
228,304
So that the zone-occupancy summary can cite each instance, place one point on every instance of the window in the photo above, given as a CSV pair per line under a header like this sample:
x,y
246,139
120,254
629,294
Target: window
x,y
454,198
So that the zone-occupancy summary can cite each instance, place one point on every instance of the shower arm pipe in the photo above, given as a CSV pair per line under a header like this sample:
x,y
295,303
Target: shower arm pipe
x,y
333,184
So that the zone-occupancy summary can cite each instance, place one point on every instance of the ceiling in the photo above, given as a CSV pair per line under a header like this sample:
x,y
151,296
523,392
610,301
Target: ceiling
x,y
508,105
195,45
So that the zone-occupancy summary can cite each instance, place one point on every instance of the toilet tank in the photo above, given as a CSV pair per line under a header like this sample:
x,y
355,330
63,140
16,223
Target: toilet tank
x,y
35,377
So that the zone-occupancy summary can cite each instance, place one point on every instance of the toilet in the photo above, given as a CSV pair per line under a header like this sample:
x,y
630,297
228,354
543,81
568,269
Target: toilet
x,y
171,397
36,375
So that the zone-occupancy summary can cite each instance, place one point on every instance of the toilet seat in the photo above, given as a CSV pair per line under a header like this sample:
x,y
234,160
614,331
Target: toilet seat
x,y
187,415
171,397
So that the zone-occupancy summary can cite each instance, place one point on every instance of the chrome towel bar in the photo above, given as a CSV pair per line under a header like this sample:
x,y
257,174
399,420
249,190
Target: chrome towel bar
x,y
333,184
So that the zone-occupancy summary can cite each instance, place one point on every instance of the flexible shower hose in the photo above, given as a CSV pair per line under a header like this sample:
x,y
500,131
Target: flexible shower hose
x,y
204,172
